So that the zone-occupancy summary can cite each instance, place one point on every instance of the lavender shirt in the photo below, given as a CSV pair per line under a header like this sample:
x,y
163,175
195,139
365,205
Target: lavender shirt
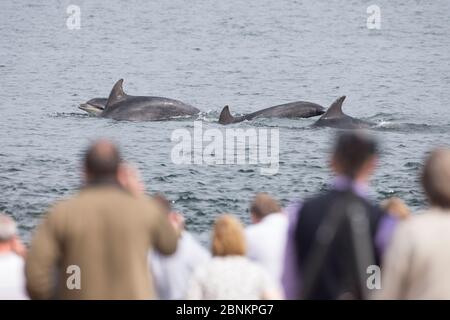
x,y
291,279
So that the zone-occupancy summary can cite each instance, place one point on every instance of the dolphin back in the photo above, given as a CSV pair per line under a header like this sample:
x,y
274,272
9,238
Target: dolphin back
x,y
116,95
225,116
121,106
336,118
335,110
298,109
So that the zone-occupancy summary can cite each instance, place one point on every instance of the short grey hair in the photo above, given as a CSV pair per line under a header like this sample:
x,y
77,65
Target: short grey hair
x,y
8,227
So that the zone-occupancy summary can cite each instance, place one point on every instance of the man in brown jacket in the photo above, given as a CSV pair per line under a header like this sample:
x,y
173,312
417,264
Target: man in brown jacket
x,y
95,245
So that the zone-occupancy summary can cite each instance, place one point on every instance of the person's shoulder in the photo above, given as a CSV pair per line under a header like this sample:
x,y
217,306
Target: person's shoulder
x,y
93,195
187,238
244,262
272,222
278,217
143,204
14,259
433,212
202,270
372,205
321,197
375,211
61,207
18,260
428,218
96,196
150,202
146,209
253,268
226,262
251,230
255,234
191,244
316,203
420,225
101,190
61,212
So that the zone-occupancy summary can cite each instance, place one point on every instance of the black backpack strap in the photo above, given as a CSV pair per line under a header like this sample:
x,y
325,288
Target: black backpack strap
x,y
348,208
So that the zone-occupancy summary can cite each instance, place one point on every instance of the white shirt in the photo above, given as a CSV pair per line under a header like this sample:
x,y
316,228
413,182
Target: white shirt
x,y
266,241
172,273
12,277
230,278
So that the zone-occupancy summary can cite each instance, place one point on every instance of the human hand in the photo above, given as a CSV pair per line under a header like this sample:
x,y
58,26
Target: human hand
x,y
177,221
18,247
129,178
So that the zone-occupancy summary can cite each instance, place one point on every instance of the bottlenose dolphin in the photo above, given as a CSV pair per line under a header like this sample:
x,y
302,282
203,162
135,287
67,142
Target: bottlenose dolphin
x,y
121,106
335,118
298,109
94,106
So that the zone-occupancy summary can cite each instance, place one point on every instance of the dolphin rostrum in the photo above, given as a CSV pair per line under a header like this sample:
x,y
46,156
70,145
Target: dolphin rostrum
x,y
94,106
336,118
298,109
121,106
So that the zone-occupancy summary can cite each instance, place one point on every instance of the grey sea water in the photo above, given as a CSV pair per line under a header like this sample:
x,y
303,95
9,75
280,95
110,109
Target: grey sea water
x,y
248,54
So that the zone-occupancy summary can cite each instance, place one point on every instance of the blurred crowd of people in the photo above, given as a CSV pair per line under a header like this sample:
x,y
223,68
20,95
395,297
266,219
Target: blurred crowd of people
x,y
112,241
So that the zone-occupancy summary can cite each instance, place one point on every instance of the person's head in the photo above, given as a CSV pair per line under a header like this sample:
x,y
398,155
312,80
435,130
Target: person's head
x,y
228,237
396,207
355,155
101,162
130,179
8,232
263,205
436,178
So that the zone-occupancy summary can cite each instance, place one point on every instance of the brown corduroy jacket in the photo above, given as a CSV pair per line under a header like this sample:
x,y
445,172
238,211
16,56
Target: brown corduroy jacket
x,y
95,246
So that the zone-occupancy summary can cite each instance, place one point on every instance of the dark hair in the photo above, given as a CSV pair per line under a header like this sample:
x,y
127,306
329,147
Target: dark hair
x,y
352,150
101,161
436,178
263,204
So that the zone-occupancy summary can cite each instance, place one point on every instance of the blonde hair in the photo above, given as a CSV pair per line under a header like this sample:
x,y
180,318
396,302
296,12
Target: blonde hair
x,y
228,237
396,207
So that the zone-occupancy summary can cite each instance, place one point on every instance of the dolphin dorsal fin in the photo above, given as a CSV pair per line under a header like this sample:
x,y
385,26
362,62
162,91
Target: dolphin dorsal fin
x,y
225,116
116,95
335,110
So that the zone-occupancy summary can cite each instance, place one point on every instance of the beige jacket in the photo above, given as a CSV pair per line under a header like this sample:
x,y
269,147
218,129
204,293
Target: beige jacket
x,y
417,264
105,232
